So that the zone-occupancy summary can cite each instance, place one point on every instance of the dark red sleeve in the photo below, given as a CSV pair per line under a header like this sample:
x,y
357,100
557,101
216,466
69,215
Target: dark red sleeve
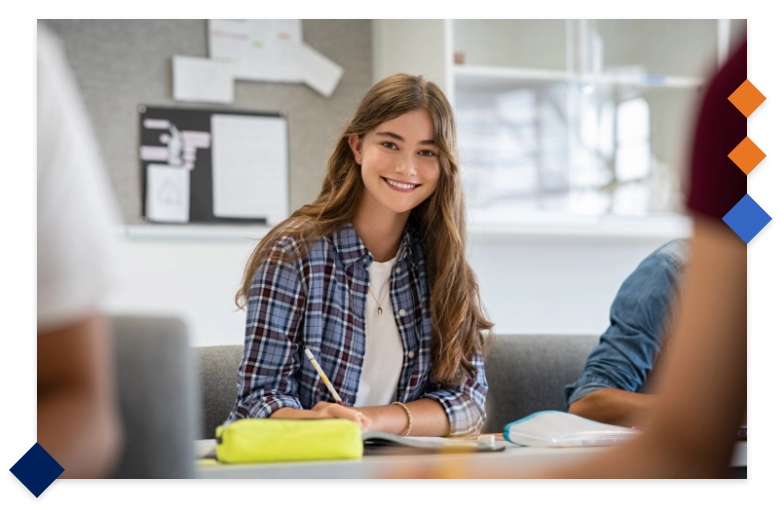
x,y
716,183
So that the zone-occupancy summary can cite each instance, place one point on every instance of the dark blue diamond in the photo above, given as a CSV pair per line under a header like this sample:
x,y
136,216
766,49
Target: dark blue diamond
x,y
746,218
37,469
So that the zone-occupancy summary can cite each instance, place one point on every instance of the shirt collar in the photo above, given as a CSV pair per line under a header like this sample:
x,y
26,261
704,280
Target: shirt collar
x,y
351,248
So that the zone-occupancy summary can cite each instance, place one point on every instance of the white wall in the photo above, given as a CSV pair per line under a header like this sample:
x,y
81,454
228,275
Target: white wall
x,y
553,284
531,282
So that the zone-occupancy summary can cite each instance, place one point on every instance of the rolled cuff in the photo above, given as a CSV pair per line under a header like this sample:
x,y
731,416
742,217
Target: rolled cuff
x,y
465,416
584,387
263,407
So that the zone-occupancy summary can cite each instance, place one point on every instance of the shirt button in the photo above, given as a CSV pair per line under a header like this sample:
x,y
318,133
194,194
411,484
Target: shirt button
x,y
398,270
411,354
402,312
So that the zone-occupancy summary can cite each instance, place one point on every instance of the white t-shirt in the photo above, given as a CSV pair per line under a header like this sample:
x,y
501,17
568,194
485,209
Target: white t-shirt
x,y
76,250
383,346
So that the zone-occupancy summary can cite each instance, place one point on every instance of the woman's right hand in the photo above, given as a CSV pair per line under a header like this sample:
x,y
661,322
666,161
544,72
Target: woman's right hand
x,y
330,410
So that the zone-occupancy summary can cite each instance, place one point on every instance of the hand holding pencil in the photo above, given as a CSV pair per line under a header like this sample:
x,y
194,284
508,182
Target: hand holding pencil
x,y
338,410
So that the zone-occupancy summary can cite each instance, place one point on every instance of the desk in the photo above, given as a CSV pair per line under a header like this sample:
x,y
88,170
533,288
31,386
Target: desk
x,y
378,466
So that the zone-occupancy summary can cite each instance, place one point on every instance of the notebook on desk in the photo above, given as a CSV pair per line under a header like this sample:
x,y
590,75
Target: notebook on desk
x,y
557,429
384,443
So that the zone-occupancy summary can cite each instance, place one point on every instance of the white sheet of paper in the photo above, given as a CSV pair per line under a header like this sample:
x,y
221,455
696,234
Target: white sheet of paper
x,y
287,71
271,50
259,48
250,167
168,194
202,79
229,39
316,70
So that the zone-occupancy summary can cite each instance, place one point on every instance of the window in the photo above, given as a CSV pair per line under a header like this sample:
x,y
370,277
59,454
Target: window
x,y
579,117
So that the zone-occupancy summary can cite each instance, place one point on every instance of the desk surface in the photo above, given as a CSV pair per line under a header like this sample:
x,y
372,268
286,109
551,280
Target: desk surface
x,y
379,466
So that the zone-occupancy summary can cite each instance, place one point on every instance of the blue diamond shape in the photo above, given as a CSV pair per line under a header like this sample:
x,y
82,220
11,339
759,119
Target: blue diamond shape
x,y
37,469
746,218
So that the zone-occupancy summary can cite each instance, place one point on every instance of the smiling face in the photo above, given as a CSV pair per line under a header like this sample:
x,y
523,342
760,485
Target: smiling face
x,y
399,162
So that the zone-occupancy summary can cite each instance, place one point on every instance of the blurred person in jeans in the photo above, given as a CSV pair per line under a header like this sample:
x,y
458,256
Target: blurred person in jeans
x,y
615,384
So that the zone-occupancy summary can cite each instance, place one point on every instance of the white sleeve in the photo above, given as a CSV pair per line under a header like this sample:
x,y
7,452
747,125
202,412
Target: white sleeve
x,y
76,239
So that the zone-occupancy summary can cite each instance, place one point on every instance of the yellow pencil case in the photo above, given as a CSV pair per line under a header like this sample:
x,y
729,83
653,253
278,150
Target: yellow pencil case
x,y
272,440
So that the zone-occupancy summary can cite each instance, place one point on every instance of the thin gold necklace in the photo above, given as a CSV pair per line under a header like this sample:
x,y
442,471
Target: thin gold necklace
x,y
379,308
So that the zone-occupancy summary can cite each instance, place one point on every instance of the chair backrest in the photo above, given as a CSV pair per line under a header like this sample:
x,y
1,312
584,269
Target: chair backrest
x,y
156,384
218,367
528,373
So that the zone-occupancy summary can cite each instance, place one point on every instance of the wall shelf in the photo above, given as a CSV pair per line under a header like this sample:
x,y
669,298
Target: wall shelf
x,y
489,78
238,233
565,226
537,225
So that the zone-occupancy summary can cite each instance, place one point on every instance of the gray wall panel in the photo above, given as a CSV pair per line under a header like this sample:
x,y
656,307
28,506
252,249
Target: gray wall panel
x,y
120,64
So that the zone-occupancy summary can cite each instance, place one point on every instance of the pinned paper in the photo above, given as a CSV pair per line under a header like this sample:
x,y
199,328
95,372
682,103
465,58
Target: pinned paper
x,y
316,70
168,194
257,50
202,79
250,167
260,49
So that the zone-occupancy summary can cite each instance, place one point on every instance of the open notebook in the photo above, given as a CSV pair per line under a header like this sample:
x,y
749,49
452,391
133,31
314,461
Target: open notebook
x,y
384,442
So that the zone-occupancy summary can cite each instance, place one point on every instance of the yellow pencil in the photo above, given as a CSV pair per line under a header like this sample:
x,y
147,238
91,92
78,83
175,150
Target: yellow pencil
x,y
323,377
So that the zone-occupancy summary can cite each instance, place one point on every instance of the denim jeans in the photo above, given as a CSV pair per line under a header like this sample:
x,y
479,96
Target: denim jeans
x,y
639,320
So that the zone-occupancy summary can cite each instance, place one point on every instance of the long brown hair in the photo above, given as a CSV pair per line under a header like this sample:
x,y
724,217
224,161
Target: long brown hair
x,y
458,321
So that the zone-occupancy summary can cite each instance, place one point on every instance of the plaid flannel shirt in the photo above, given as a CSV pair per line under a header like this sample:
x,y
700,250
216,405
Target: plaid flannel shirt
x,y
318,301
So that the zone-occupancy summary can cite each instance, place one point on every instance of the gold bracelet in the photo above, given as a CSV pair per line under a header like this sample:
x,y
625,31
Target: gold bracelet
x,y
409,417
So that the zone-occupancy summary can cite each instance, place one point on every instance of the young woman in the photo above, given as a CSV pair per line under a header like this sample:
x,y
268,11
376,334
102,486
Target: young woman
x,y
372,278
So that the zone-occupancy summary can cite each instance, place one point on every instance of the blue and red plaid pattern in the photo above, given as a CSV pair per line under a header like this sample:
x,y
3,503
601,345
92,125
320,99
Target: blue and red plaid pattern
x,y
318,301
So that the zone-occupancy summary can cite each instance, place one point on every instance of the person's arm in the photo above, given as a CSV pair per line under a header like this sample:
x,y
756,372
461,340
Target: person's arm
x,y
78,421
620,364
324,410
703,393
443,410
704,380
428,418
614,406
464,404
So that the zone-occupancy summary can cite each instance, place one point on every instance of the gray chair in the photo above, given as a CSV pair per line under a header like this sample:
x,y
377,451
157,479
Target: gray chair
x,y
218,367
528,373
156,383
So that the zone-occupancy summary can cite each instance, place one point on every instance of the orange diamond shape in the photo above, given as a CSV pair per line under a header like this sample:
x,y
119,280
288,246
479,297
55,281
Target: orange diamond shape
x,y
746,155
746,98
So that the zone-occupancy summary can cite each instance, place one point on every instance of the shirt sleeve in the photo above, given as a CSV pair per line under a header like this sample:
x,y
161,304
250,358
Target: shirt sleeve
x,y
639,315
268,375
464,405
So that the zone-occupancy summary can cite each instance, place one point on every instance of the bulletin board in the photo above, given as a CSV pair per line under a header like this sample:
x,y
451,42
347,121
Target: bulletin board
x,y
213,166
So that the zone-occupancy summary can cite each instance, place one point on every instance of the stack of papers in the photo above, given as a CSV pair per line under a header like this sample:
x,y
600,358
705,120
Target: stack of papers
x,y
558,429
